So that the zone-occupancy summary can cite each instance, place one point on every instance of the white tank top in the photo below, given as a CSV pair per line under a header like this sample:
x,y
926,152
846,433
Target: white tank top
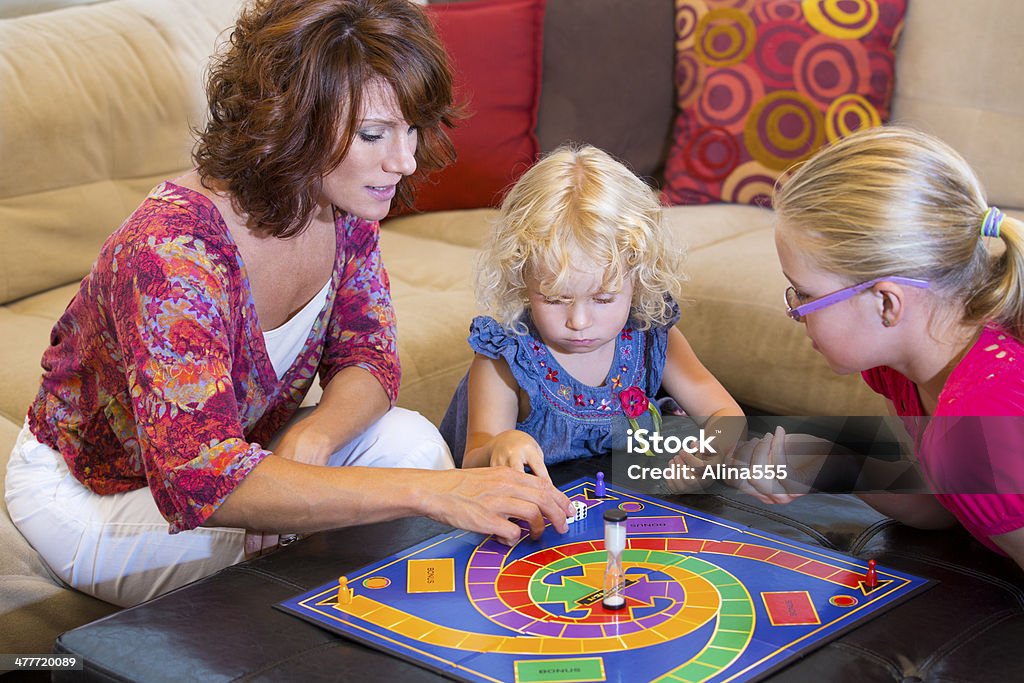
x,y
285,342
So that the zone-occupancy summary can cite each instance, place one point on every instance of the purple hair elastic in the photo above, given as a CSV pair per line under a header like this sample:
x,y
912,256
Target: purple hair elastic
x,y
991,223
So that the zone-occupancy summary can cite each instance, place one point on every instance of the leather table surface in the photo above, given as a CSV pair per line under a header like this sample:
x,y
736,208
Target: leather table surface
x,y
969,627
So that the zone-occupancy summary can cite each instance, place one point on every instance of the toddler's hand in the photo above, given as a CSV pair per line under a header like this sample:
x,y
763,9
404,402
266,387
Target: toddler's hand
x,y
518,450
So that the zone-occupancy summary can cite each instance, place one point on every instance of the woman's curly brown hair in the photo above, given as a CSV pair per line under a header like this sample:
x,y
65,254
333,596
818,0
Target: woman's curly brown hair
x,y
286,94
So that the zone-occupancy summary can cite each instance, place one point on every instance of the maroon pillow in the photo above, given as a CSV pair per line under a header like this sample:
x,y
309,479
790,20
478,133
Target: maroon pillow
x,y
495,49
763,84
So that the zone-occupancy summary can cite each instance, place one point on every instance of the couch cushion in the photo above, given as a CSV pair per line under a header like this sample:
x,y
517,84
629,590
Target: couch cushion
x,y
431,260
431,287
17,8
495,52
35,607
763,87
24,334
109,90
608,79
469,228
962,81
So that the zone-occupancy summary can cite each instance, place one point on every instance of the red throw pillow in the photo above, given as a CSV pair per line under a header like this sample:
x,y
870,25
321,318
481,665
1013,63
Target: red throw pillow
x,y
763,84
495,48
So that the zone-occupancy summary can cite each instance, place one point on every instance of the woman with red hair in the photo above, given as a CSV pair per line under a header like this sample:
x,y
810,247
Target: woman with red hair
x,y
173,381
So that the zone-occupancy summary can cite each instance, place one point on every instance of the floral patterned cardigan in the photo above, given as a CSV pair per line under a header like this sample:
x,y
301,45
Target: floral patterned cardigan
x,y
157,374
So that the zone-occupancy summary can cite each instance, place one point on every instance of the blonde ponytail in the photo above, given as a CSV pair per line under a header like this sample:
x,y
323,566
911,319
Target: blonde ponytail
x,y
1001,299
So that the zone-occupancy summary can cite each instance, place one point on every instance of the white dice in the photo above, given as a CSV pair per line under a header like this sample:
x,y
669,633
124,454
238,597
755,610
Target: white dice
x,y
581,511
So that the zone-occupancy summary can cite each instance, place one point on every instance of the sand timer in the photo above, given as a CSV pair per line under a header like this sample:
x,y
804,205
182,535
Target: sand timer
x,y
615,544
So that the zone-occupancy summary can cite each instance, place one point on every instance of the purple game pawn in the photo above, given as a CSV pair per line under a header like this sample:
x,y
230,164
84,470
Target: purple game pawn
x,y
599,489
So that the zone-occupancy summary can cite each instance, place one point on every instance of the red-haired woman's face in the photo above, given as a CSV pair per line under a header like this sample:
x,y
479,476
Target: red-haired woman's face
x,y
381,154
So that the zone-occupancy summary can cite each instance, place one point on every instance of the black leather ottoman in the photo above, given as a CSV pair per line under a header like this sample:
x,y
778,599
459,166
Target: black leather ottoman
x,y
970,627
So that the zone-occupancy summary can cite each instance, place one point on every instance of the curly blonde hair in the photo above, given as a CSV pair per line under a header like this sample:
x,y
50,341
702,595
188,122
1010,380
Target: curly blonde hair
x,y
894,201
579,201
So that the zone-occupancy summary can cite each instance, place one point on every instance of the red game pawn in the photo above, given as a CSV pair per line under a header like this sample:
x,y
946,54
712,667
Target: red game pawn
x,y
871,578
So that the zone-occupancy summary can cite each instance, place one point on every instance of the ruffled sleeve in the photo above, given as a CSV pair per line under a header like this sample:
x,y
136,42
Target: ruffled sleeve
x,y
489,338
525,355
658,350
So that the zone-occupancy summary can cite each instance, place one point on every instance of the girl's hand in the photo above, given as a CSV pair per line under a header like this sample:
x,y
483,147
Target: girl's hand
x,y
769,450
518,450
694,482
794,461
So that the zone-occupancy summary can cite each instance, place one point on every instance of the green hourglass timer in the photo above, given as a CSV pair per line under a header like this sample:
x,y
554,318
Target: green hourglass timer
x,y
614,544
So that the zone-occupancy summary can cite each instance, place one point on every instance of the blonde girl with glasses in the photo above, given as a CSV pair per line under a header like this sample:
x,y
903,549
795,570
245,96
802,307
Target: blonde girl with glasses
x,y
901,271
580,280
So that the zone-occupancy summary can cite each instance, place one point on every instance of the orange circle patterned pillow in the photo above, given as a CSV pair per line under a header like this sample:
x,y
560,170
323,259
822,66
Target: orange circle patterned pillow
x,y
763,84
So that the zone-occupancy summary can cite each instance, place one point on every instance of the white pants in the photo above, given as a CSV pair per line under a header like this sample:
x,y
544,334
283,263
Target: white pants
x,y
117,547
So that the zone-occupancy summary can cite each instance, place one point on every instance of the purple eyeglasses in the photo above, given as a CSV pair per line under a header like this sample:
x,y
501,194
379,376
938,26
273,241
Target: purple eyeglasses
x,y
798,311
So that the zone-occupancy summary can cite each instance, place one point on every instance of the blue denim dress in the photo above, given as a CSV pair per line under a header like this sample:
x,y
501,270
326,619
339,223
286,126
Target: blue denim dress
x,y
569,419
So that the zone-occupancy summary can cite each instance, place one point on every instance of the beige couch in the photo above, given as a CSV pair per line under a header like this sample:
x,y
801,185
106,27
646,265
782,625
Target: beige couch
x,y
95,107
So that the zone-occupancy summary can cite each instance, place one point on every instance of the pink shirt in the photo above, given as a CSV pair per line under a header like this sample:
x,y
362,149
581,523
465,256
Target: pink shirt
x,y
965,456
157,373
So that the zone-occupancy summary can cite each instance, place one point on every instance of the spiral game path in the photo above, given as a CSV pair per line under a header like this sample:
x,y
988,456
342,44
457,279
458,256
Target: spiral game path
x,y
549,602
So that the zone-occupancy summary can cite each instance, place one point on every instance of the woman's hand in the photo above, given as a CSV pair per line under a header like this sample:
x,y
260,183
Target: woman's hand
x,y
484,499
518,450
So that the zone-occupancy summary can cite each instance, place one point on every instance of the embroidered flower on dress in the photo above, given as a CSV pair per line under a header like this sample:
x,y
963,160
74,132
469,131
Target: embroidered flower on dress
x,y
634,402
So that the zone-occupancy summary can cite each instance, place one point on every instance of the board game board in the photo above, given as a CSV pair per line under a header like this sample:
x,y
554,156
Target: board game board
x,y
707,600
